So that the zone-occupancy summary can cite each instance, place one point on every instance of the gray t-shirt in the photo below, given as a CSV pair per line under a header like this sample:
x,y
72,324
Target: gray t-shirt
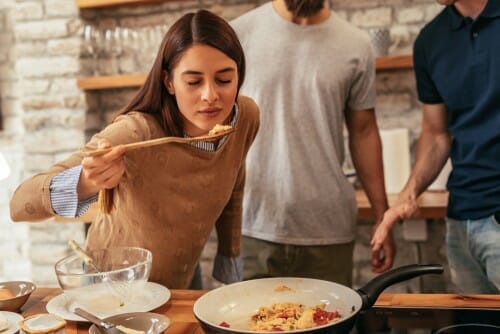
x,y
304,78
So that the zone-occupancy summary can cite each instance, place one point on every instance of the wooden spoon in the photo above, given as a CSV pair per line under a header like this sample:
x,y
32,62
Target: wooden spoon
x,y
160,141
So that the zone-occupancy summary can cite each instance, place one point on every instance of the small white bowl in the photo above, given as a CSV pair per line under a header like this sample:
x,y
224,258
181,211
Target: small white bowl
x,y
9,322
146,322
21,291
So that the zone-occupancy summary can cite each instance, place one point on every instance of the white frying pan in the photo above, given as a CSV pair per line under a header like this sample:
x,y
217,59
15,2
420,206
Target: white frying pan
x,y
235,303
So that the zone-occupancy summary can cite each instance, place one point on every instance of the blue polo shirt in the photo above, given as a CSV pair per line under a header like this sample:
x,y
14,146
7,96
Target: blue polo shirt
x,y
457,62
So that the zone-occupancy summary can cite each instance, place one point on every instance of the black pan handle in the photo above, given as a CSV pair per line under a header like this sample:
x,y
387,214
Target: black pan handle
x,y
370,292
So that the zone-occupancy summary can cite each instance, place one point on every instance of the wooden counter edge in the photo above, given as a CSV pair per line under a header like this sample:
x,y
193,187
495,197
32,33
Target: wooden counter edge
x,y
438,300
432,204
40,297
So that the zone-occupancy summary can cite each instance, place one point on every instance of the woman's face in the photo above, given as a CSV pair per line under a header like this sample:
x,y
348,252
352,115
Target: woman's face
x,y
205,83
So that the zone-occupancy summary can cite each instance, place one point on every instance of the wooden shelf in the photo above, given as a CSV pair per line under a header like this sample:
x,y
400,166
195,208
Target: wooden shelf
x,y
112,81
394,62
87,4
135,80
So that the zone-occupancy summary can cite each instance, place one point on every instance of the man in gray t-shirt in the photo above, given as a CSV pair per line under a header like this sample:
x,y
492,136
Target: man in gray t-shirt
x,y
310,72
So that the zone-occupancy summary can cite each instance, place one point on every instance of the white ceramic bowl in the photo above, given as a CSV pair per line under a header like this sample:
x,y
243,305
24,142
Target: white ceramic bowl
x,y
147,322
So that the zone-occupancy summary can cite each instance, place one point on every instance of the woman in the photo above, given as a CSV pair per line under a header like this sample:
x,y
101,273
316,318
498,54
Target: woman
x,y
165,198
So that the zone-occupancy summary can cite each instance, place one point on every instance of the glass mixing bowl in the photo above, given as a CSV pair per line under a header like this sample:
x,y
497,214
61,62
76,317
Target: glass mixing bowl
x,y
108,284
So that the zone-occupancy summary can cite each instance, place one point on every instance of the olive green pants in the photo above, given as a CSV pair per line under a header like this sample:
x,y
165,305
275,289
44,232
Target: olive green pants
x,y
268,259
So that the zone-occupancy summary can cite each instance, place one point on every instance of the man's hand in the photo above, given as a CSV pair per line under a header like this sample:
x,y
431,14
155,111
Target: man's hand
x,y
383,256
404,209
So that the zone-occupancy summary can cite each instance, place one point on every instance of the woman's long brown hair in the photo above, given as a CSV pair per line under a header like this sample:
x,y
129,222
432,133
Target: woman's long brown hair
x,y
202,27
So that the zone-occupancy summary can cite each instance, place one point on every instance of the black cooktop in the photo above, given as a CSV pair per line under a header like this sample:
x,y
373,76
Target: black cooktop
x,y
409,320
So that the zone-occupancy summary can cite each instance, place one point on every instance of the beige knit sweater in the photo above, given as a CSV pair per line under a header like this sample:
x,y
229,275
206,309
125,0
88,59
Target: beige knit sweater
x,y
169,199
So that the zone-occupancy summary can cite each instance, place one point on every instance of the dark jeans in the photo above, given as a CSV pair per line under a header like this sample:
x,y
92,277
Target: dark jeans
x,y
196,282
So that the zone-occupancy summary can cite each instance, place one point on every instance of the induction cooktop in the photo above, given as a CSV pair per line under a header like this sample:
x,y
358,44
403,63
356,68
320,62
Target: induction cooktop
x,y
425,320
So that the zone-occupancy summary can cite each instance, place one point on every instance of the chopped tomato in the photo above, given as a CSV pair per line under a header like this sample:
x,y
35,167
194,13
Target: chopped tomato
x,y
224,324
322,317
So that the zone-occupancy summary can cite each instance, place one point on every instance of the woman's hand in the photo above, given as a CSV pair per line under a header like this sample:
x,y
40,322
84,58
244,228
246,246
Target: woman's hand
x,y
101,172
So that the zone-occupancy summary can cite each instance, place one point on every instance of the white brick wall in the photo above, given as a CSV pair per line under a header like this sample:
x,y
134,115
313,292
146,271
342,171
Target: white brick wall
x,y
44,115
30,10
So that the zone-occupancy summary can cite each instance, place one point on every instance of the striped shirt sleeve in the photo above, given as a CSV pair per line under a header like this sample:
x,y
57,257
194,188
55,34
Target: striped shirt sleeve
x,y
64,195
227,269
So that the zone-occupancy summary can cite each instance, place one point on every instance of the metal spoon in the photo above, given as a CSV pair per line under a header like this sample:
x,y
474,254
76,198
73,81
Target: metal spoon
x,y
107,326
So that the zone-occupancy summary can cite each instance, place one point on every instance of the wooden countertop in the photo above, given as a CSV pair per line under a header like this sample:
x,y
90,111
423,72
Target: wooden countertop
x,y
432,204
180,307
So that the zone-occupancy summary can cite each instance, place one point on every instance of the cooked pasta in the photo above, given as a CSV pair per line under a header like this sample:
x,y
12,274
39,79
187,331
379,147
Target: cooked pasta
x,y
219,128
289,316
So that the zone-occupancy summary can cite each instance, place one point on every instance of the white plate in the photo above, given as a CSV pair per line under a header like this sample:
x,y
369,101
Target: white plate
x,y
13,320
150,297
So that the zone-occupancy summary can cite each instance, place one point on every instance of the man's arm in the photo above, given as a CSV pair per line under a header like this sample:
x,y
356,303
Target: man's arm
x,y
366,152
433,149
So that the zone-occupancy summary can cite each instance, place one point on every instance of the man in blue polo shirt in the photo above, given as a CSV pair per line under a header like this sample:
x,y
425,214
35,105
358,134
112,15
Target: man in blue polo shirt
x,y
457,67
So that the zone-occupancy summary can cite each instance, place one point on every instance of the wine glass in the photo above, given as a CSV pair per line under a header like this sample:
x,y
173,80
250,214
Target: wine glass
x,y
131,46
113,47
92,40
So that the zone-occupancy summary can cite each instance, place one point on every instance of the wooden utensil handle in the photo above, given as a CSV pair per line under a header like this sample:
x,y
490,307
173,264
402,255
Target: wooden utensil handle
x,y
140,144
80,252
159,141
98,152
